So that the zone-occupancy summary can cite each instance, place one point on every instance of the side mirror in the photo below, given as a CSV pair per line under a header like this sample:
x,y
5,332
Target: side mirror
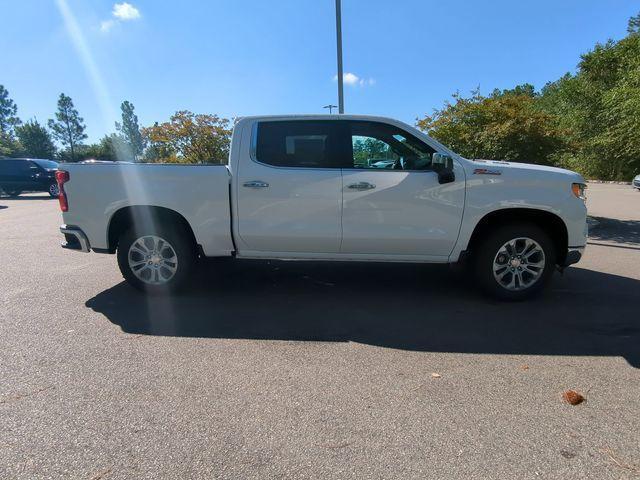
x,y
442,164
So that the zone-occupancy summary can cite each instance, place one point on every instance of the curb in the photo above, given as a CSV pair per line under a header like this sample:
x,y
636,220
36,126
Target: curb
x,y
610,182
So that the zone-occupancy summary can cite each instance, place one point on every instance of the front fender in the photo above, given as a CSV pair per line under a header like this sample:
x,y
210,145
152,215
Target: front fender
x,y
546,193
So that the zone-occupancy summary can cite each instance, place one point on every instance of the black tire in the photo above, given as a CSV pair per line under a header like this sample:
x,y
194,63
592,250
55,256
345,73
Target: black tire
x,y
53,190
180,242
488,250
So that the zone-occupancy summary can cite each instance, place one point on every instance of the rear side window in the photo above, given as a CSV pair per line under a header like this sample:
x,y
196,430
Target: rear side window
x,y
13,167
304,144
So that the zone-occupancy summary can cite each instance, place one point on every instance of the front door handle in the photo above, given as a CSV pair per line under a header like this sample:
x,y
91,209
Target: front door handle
x,y
255,184
361,186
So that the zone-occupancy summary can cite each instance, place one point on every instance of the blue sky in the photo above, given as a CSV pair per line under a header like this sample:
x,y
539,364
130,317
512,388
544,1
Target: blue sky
x,y
246,57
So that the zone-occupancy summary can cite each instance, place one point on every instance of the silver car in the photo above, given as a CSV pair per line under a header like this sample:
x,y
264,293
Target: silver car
x,y
636,182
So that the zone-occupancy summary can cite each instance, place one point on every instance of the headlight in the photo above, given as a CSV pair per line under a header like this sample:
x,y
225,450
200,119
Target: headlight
x,y
579,190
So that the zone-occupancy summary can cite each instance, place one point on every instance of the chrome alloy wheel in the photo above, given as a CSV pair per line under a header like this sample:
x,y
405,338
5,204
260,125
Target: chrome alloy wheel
x,y
518,264
153,260
53,190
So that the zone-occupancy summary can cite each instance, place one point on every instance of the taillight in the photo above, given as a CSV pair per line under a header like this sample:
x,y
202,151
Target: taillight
x,y
62,177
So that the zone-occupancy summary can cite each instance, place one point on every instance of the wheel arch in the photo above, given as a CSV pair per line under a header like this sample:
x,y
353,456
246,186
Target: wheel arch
x,y
143,217
551,223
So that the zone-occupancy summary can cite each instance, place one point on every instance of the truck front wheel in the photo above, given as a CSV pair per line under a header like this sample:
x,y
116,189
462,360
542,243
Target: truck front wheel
x,y
515,261
159,260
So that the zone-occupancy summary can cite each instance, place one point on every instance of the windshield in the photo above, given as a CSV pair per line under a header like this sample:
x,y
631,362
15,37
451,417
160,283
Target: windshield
x,y
46,163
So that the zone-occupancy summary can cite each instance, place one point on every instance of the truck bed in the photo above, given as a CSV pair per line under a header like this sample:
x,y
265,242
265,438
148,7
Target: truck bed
x,y
200,193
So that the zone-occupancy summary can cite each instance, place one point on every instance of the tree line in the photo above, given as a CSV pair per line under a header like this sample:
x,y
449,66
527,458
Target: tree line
x,y
185,138
588,121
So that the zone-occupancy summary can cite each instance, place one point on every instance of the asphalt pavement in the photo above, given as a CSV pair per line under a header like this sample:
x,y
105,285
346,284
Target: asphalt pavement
x,y
316,370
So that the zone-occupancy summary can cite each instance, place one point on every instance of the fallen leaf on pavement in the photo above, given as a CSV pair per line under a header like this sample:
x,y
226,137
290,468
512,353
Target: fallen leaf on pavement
x,y
573,397
436,375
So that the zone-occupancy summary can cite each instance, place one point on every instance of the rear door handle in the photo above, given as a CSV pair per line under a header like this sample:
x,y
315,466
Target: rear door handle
x,y
361,186
255,184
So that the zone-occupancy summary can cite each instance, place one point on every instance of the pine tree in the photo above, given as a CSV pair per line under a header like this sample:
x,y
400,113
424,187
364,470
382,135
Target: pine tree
x,y
130,130
8,113
68,128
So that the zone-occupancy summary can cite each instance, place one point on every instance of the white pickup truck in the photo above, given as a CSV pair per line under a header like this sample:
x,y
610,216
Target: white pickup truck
x,y
339,188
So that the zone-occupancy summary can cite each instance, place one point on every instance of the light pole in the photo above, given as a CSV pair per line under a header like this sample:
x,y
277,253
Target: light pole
x,y
339,44
330,107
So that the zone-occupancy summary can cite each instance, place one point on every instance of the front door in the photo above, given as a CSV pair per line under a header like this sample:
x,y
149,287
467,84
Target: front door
x,y
32,176
393,203
289,193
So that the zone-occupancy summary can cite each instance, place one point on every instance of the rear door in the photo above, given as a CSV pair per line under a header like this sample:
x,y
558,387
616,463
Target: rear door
x,y
393,203
289,192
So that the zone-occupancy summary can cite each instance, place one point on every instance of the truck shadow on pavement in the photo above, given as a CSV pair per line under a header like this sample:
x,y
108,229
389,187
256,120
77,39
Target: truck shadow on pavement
x,y
412,307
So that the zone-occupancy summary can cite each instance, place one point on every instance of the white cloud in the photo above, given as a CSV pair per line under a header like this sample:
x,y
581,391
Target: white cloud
x,y
122,12
353,80
350,78
125,11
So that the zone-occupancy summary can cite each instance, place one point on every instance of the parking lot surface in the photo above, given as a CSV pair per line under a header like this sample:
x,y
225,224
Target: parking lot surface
x,y
323,370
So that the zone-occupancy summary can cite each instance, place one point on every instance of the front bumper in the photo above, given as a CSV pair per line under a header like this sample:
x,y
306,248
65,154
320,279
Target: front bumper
x,y
75,239
574,254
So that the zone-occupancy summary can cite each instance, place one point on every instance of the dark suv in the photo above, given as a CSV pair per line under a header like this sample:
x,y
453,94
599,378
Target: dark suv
x,y
19,175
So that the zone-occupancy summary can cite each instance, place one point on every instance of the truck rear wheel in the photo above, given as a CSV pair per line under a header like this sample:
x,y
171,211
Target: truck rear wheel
x,y
156,261
515,262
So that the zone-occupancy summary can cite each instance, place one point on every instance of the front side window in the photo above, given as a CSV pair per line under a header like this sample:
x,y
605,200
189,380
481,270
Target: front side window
x,y
305,144
378,146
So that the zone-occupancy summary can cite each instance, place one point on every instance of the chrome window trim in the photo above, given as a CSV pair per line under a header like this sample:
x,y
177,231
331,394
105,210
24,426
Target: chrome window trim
x,y
253,147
